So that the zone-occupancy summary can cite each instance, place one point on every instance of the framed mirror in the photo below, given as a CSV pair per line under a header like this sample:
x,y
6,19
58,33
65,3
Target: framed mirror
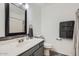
x,y
15,19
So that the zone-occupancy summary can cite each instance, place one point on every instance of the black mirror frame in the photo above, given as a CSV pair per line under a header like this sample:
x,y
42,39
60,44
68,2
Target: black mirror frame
x,y
7,23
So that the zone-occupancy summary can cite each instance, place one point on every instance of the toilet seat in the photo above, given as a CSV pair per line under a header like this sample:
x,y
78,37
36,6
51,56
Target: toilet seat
x,y
47,49
47,45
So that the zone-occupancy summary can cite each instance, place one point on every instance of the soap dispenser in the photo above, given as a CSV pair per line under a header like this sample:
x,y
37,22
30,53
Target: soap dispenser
x,y
30,33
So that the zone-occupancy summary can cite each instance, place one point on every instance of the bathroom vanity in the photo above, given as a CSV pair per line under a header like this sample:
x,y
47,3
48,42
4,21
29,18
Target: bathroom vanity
x,y
22,47
37,50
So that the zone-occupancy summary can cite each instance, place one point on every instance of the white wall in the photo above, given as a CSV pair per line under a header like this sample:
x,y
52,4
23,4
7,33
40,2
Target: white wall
x,y
34,18
51,16
2,20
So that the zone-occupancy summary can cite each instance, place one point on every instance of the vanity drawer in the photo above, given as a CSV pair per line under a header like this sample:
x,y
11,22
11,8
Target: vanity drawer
x,y
39,52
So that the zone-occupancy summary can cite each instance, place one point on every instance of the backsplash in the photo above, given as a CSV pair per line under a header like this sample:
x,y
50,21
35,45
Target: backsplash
x,y
11,37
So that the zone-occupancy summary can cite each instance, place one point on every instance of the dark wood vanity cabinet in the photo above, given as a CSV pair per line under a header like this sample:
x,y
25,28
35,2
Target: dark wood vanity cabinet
x,y
37,50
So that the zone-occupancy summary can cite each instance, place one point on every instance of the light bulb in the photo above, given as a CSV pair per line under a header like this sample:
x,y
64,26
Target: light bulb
x,y
26,6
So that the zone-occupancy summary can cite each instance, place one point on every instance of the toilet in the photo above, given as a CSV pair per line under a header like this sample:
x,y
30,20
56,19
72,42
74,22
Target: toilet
x,y
48,48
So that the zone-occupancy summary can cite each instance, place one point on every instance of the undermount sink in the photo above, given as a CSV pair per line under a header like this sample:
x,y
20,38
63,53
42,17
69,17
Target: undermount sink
x,y
20,44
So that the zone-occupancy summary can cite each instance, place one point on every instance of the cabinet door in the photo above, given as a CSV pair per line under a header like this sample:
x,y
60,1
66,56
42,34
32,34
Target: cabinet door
x,y
39,52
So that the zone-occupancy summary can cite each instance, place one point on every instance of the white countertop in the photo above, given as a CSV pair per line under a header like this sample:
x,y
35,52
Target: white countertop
x,y
13,48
